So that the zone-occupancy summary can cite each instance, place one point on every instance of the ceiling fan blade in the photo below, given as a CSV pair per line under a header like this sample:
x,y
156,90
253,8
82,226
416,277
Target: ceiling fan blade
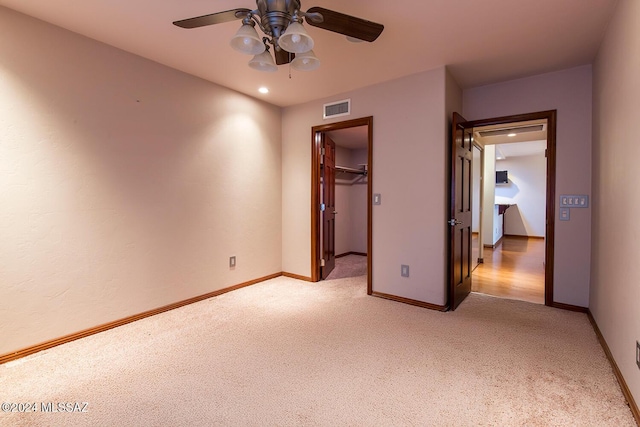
x,y
211,19
282,56
344,24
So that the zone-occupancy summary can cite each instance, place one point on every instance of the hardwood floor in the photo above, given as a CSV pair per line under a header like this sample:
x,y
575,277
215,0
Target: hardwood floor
x,y
515,269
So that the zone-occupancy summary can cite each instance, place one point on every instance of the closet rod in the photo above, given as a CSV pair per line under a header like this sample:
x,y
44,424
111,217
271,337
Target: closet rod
x,y
350,170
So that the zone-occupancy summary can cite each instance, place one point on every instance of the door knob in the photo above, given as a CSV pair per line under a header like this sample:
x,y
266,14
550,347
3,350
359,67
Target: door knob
x,y
454,222
335,212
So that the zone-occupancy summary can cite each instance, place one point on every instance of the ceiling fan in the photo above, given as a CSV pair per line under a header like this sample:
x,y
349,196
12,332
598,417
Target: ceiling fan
x,y
281,22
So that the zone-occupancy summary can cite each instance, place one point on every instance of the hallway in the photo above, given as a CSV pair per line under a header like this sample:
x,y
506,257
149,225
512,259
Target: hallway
x,y
514,269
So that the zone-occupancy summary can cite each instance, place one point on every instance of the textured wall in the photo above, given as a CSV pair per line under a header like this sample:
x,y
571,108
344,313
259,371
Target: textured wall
x,y
358,206
615,270
409,170
125,185
351,203
477,172
343,203
527,189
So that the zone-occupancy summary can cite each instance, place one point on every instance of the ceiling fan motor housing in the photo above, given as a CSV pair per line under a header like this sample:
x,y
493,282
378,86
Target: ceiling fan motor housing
x,y
276,15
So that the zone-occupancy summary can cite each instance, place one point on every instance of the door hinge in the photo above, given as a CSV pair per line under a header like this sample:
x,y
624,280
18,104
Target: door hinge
x,y
322,151
322,207
322,262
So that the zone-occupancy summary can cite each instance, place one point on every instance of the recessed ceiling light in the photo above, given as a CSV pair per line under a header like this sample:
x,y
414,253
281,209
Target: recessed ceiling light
x,y
263,90
511,134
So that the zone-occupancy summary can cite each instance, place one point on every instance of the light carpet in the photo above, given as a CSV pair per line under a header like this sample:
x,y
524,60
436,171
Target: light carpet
x,y
349,266
286,352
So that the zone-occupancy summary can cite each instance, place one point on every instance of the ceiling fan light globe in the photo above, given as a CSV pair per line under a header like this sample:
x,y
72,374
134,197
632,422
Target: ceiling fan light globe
x,y
263,62
306,61
247,41
296,39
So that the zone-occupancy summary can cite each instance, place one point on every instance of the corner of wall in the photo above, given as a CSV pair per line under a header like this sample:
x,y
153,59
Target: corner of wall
x,y
127,184
614,274
453,96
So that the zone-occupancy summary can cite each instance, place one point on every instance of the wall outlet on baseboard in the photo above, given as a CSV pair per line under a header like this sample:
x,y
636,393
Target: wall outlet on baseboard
x,y
232,261
638,354
404,270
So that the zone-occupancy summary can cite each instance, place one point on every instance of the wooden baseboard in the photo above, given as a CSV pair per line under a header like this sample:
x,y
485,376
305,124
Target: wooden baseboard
x,y
513,236
570,307
498,243
623,384
351,253
105,327
297,276
519,236
410,301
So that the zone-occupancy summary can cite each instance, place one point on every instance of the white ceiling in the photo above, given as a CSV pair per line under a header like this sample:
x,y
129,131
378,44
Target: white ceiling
x,y
521,144
522,134
482,41
519,149
352,138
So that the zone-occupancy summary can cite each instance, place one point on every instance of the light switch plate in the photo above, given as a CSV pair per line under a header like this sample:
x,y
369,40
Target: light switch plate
x,y
583,201
574,201
377,199
232,261
565,214
404,270
638,354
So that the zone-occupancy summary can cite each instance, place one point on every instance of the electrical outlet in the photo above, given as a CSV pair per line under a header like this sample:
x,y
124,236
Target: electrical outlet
x,y
232,261
404,270
638,354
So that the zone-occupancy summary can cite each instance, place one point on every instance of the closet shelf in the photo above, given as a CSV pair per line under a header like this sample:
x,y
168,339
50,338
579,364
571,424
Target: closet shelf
x,y
344,169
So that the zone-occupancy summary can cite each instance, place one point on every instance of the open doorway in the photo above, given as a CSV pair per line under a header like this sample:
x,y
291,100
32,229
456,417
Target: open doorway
x,y
512,178
461,222
341,200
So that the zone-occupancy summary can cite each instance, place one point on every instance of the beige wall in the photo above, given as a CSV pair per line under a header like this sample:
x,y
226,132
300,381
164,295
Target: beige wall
x,y
491,222
527,190
343,203
476,168
125,185
351,203
358,205
615,270
568,92
409,171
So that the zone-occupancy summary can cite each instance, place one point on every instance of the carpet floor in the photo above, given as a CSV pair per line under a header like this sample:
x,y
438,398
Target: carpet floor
x,y
286,352
349,266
